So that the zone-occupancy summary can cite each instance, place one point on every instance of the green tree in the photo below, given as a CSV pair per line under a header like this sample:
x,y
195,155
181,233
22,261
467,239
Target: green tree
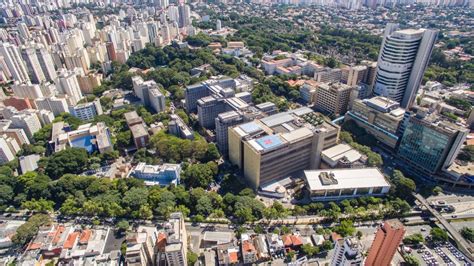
x,y
40,205
199,175
346,228
6,194
28,230
327,245
309,250
468,233
438,234
403,186
410,260
192,258
414,239
68,161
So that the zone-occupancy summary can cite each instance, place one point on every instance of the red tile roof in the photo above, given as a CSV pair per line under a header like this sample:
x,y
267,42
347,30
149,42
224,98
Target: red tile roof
x,y
71,239
85,235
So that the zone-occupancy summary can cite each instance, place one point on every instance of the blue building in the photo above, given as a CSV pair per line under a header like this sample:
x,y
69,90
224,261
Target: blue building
x,y
430,144
162,175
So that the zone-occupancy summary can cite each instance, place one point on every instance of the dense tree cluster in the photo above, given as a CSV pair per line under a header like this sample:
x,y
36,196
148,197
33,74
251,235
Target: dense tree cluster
x,y
360,140
173,149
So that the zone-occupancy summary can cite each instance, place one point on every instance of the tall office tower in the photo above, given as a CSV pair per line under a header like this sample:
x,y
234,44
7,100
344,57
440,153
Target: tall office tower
x,y
403,58
176,240
223,122
347,252
33,65
385,244
68,85
14,62
184,15
430,144
278,146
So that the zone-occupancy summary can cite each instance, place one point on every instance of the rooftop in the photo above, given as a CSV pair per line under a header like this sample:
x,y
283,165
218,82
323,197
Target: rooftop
x,y
346,178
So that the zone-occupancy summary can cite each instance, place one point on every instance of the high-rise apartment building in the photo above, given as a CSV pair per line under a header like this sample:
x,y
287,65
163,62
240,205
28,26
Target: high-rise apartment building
x,y
8,149
12,58
67,84
176,240
430,143
347,252
54,104
33,65
27,90
385,244
27,121
184,15
277,146
402,62
380,117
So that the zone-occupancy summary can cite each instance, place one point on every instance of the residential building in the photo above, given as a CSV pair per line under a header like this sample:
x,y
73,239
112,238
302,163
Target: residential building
x,y
176,240
140,248
29,163
89,82
18,103
13,61
275,244
347,252
430,143
8,149
387,239
67,84
380,117
27,90
227,254
33,65
332,98
56,105
87,111
162,175
280,145
403,58
249,252
338,184
137,126
28,121
178,128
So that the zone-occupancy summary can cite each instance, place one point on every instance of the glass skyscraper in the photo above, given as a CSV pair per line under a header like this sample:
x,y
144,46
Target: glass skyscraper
x,y
428,146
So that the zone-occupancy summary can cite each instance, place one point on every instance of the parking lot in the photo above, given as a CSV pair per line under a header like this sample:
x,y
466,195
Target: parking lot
x,y
440,254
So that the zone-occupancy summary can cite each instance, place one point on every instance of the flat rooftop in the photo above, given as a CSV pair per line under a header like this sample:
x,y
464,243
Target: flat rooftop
x,y
346,178
218,237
